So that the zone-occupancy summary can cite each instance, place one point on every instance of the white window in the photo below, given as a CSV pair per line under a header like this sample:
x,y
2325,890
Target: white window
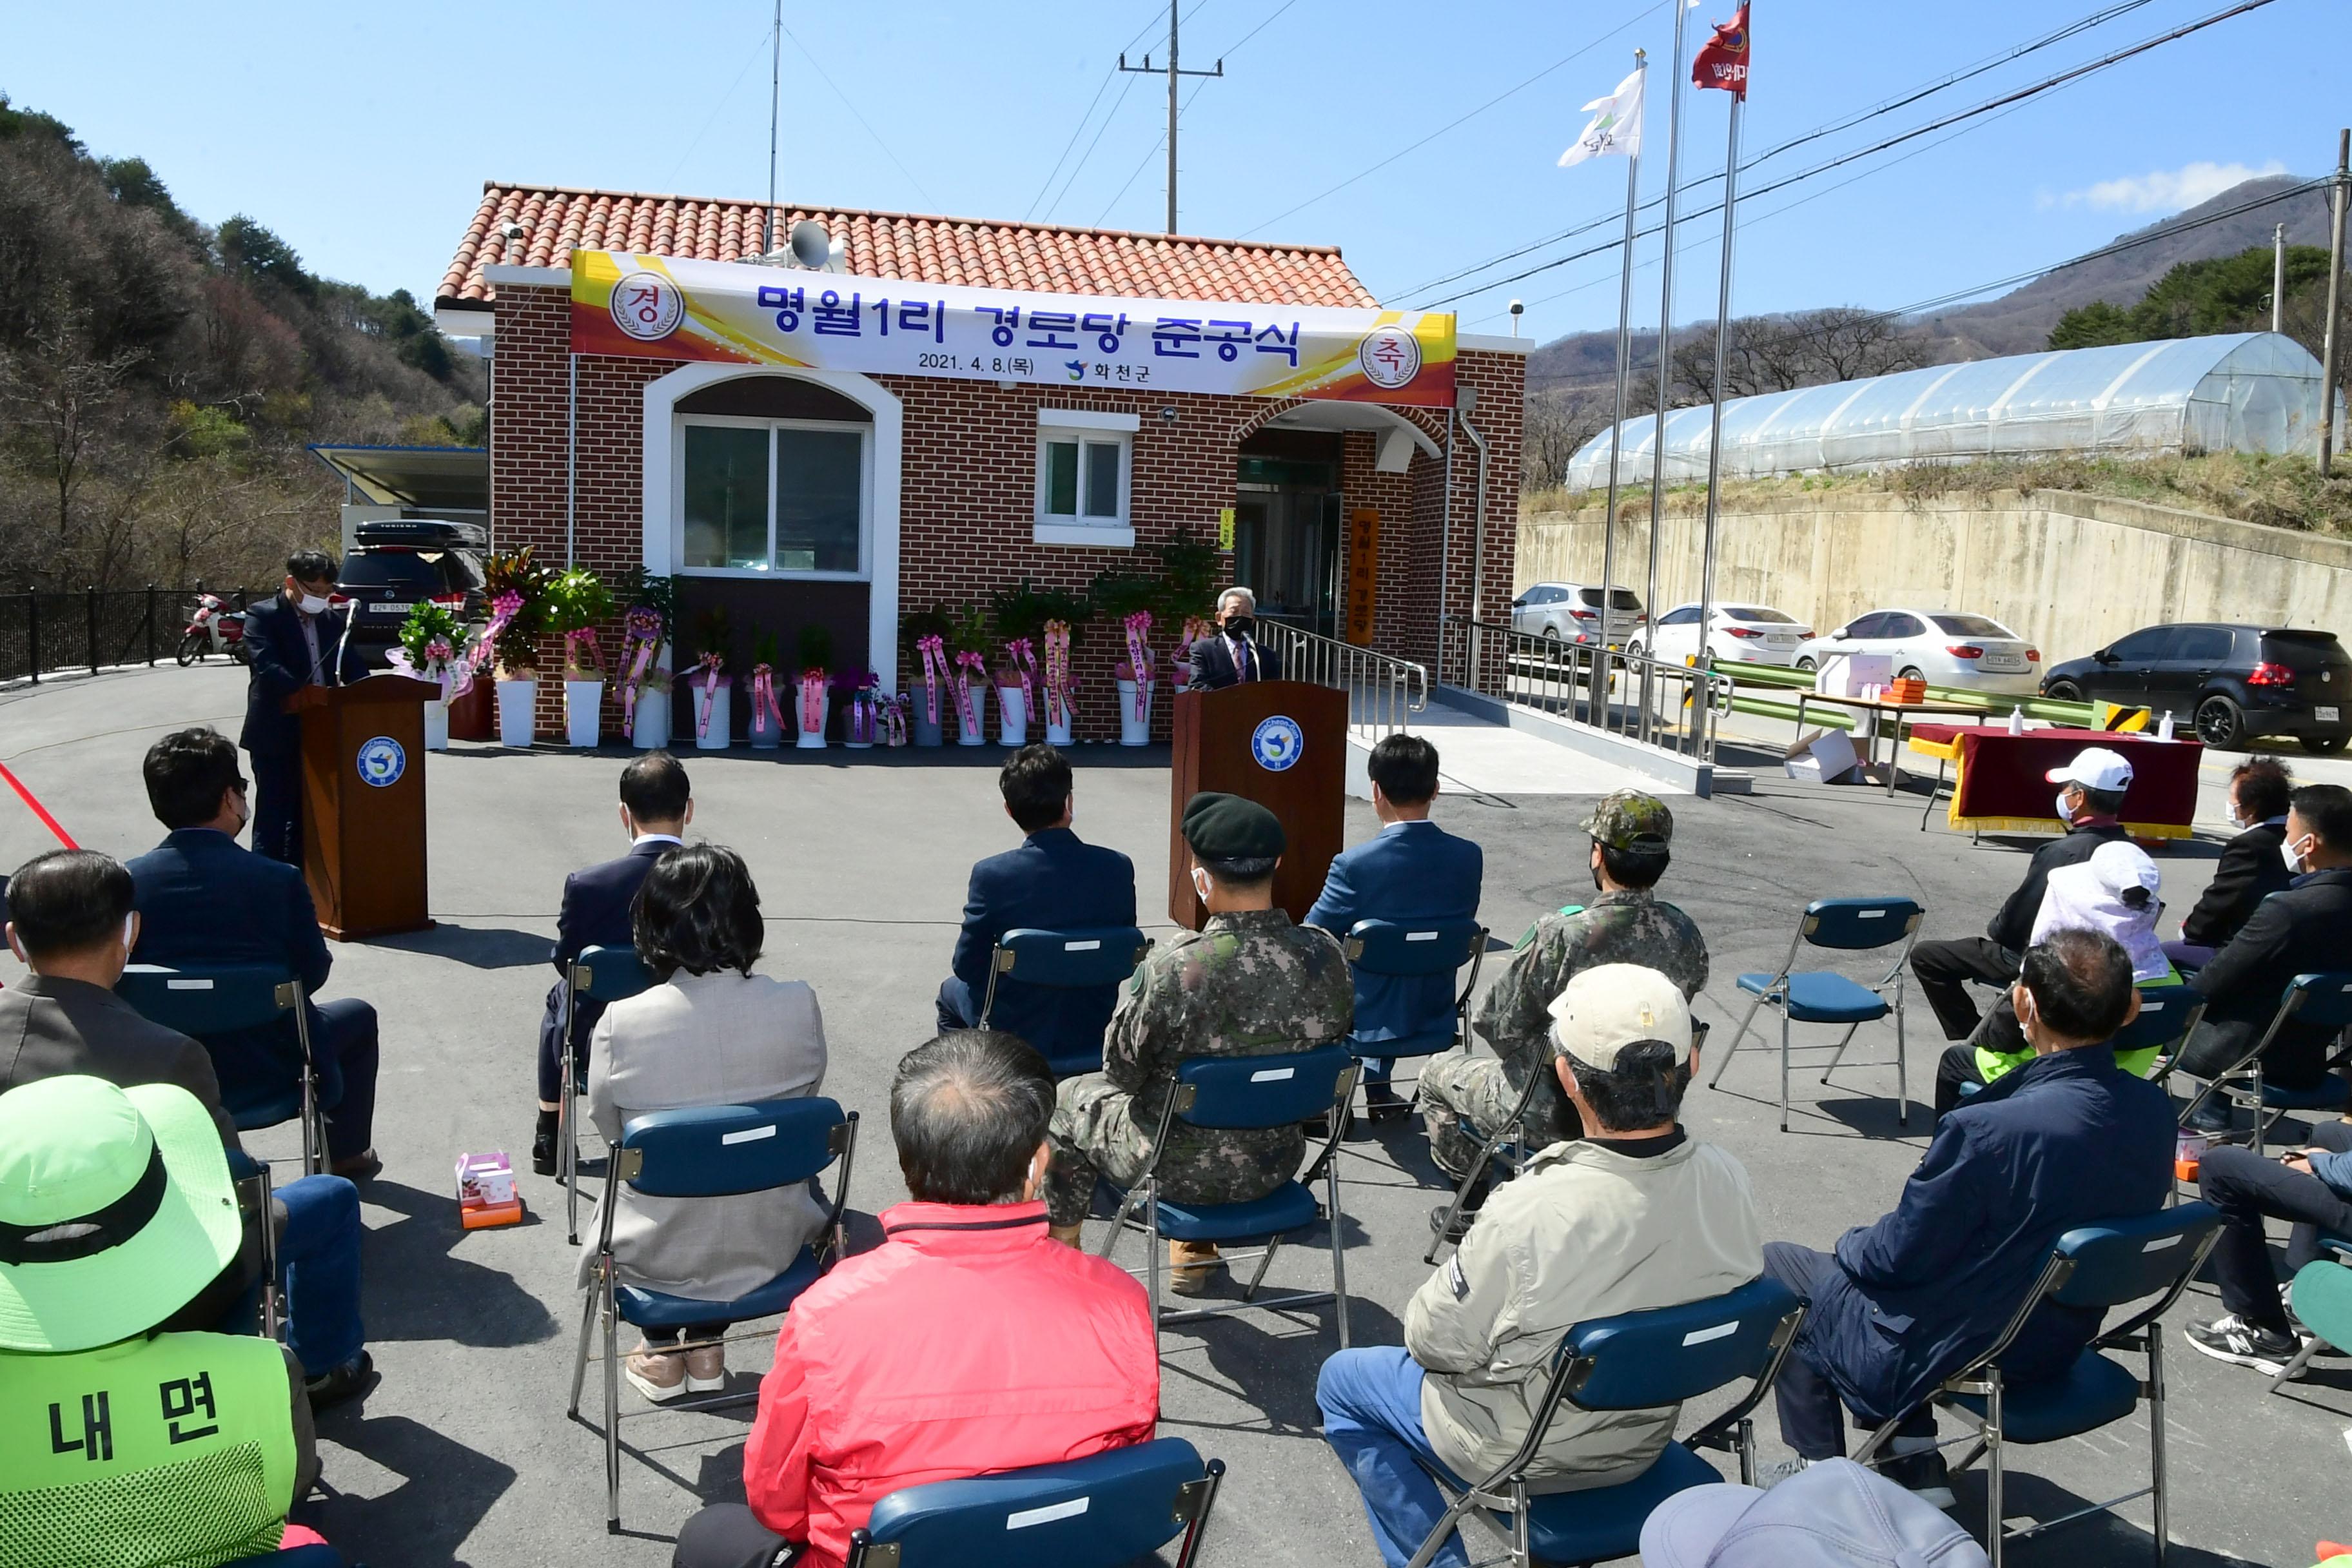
x,y
772,497
1085,463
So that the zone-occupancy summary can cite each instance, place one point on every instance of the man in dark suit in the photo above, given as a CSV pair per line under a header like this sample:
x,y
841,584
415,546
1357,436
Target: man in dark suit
x,y
657,802
2250,870
1411,869
2091,791
1233,655
205,900
293,639
1054,881
72,922
2302,930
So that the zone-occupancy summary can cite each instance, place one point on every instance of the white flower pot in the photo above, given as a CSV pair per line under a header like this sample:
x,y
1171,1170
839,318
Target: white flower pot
x,y
718,733
584,711
436,726
1059,734
649,721
922,731
812,740
973,727
1011,716
765,732
1132,731
517,701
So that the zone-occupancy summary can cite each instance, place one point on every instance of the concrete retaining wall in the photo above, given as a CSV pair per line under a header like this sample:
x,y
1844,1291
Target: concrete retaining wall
x,y
2072,573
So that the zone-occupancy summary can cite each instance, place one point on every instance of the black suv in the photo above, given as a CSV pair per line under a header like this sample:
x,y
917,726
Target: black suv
x,y
2233,682
392,564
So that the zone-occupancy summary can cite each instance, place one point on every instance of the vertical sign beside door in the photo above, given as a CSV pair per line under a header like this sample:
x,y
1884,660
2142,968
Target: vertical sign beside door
x,y
1363,573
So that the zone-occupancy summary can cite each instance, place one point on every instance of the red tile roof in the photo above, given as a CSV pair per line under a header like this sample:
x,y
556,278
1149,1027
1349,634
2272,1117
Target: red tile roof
x,y
1042,257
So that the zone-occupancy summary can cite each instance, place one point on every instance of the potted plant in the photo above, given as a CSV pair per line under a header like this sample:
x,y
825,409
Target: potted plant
x,y
968,645
865,722
766,725
925,632
646,653
433,646
1056,683
517,587
815,705
1050,618
1135,680
708,685
1016,688
577,604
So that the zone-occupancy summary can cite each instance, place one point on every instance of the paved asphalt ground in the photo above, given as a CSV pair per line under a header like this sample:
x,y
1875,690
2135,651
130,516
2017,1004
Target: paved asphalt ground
x,y
462,1454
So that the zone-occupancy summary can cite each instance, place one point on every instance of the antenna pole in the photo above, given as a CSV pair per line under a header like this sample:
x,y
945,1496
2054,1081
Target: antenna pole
x,y
775,99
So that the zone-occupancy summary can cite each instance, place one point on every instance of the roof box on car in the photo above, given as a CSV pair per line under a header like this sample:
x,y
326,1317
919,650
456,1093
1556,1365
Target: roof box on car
x,y
421,532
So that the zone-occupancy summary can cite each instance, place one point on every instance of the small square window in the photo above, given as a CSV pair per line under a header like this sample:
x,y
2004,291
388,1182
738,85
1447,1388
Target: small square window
x,y
1103,479
1083,479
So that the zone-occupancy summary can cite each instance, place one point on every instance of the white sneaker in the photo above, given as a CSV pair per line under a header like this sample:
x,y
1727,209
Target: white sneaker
x,y
660,1376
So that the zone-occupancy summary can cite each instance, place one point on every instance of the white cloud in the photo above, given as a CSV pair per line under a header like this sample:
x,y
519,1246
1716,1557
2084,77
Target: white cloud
x,y
2168,190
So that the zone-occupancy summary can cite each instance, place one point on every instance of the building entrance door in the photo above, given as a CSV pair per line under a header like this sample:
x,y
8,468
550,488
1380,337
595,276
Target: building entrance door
x,y
1287,539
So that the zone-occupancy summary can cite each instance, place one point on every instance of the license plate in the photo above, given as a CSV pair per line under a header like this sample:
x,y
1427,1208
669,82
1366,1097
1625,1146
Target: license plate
x,y
2001,661
392,609
2325,715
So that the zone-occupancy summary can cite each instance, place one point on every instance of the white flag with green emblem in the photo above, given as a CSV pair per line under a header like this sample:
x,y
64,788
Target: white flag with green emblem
x,y
1616,125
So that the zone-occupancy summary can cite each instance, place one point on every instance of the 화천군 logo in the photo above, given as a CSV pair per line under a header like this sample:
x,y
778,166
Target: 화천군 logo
x,y
1278,742
647,306
1390,357
381,762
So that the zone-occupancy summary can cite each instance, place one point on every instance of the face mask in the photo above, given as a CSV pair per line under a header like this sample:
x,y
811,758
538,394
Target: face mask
x,y
2066,812
2293,856
126,931
1239,625
312,604
1201,884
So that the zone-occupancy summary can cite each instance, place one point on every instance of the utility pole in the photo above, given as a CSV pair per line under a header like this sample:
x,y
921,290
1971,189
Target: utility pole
x,y
2331,352
2278,274
1175,71
775,100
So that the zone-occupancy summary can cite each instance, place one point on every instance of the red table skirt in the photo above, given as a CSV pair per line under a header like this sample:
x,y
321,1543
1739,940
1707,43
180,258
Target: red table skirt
x,y
2000,786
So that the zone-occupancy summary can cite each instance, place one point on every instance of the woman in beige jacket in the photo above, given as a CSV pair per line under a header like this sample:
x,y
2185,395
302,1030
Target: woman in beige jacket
x,y
712,1033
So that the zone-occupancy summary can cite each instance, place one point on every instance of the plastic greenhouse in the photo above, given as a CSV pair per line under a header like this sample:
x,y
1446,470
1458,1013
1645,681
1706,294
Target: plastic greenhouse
x,y
2246,392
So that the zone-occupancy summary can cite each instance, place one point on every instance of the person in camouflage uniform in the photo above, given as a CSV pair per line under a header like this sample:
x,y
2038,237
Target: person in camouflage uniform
x,y
1626,923
1247,984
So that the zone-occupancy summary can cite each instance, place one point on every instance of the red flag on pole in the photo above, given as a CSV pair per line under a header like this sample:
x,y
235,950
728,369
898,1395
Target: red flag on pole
x,y
1722,61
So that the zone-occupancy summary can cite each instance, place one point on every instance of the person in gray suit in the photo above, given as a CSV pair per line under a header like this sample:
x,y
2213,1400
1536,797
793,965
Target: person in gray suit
x,y
712,1033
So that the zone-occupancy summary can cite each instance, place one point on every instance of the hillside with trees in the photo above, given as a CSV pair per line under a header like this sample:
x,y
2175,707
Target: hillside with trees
x,y
160,378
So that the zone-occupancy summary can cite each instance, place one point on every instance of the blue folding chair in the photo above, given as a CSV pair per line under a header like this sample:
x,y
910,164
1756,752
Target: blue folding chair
x,y
1239,1092
1825,996
603,975
2321,1296
1635,1361
2098,1267
1066,961
1101,1513
2325,1000
709,1151
220,999
1410,949
312,1556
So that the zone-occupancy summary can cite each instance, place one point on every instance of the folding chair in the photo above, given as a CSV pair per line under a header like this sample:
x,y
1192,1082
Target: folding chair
x,y
1066,961
2321,1296
709,1151
1634,1361
2325,1000
220,999
2100,1267
1825,996
251,1177
602,974
1409,949
313,1556
1234,1093
1105,1512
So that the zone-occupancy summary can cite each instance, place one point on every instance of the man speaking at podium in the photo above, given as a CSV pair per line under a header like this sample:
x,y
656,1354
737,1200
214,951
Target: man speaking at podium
x,y
295,639
1233,655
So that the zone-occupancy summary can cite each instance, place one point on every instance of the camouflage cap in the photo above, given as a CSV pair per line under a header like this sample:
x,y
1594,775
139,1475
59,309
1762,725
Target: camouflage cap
x,y
1630,819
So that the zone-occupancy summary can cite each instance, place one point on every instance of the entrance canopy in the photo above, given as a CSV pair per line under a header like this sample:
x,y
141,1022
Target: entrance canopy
x,y
420,479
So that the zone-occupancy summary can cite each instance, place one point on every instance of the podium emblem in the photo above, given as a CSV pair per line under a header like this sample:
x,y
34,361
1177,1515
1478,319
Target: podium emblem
x,y
1278,742
381,762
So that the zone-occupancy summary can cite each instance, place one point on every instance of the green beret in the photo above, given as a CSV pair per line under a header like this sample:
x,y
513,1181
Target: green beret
x,y
1227,827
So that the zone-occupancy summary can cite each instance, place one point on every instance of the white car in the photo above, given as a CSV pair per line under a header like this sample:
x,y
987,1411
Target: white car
x,y
1947,648
1570,611
1740,633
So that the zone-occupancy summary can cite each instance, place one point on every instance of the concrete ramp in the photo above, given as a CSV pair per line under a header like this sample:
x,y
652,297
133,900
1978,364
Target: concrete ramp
x,y
1481,756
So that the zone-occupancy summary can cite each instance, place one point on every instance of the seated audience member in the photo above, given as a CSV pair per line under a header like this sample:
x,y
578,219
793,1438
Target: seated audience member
x,y
657,803
2312,1188
1054,881
2301,931
1247,984
967,1342
1633,1214
2250,870
2090,795
72,923
126,1443
1835,1515
1626,923
712,1033
2113,891
205,900
2067,1140
1411,869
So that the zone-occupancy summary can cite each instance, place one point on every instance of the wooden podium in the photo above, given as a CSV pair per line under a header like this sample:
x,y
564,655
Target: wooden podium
x,y
1282,743
364,804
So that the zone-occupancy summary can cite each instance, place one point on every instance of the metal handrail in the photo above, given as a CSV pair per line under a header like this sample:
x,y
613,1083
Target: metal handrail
x,y
1383,692
1672,707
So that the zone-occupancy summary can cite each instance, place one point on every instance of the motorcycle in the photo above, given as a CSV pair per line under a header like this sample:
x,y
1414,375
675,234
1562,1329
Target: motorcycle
x,y
212,627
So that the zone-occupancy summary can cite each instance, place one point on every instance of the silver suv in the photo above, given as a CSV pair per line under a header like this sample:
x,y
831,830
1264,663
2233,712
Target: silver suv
x,y
1571,611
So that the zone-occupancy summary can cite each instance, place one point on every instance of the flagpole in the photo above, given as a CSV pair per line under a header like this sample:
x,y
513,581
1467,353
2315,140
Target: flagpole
x,y
1624,369
1714,430
1665,334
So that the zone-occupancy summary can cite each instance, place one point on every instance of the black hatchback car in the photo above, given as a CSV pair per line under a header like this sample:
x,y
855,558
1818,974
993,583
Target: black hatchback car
x,y
2232,682
394,563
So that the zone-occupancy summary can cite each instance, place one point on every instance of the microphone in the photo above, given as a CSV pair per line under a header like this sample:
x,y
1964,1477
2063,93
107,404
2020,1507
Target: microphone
x,y
351,618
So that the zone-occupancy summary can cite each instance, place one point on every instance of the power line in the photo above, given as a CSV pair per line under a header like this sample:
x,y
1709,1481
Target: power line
x,y
1125,88
861,118
1138,171
1084,119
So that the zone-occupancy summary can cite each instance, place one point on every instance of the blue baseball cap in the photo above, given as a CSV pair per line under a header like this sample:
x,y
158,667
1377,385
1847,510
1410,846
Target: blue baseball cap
x,y
1832,1514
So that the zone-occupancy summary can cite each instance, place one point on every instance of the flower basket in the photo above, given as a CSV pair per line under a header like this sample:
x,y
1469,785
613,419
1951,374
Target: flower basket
x,y
814,710
517,708
1011,709
1134,706
766,725
583,704
708,694
1056,683
649,712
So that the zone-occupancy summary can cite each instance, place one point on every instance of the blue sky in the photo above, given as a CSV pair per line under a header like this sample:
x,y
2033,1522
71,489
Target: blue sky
x,y
363,132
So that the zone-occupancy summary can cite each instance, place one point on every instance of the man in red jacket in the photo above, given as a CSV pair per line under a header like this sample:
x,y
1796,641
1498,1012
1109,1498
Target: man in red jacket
x,y
968,1342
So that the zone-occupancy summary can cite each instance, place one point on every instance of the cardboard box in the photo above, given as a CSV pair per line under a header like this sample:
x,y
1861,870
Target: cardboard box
x,y
485,1191
1845,674
1825,756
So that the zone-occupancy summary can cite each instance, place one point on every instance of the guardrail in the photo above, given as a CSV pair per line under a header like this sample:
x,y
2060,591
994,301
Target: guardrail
x,y
1383,692
42,632
1635,698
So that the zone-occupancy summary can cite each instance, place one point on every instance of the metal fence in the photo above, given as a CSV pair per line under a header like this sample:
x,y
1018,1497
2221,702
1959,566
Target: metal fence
x,y
1670,706
1383,692
43,633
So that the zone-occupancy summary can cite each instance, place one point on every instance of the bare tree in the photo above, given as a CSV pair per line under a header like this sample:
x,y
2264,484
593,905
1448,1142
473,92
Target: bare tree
x,y
1557,424
61,399
1809,348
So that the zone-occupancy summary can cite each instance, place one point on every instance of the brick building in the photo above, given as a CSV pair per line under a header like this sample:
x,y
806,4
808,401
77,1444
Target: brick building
x,y
916,490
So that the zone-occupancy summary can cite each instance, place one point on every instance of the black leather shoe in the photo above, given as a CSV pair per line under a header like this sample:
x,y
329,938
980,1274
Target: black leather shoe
x,y
355,1377
1453,1233
1383,1104
542,1145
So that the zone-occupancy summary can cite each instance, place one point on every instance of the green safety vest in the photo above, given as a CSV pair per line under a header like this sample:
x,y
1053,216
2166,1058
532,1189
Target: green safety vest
x,y
2139,1063
175,1451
